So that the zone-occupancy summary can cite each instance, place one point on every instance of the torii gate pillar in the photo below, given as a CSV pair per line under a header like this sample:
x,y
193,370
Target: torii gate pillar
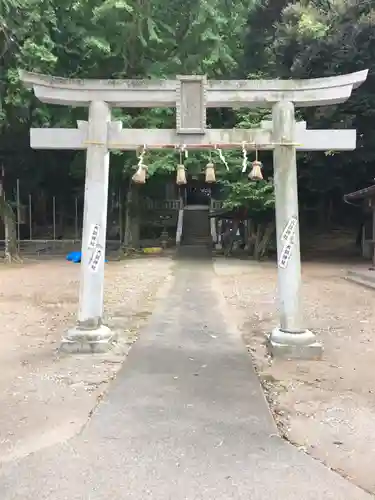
x,y
290,339
90,334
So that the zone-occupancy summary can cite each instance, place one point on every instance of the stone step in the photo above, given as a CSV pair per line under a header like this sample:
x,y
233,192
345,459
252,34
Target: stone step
x,y
190,234
364,278
198,239
195,241
194,251
196,229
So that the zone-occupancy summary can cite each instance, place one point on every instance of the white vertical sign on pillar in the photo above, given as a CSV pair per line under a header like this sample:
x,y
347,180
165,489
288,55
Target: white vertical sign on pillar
x,y
94,236
287,238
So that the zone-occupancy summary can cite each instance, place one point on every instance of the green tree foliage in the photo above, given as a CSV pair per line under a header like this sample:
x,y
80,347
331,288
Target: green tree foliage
x,y
254,201
256,197
110,39
146,39
309,39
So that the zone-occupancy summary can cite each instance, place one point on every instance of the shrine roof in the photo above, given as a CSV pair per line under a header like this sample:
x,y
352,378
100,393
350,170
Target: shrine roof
x,y
361,193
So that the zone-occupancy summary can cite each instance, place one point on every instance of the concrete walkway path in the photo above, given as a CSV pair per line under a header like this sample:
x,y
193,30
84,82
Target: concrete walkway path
x,y
186,419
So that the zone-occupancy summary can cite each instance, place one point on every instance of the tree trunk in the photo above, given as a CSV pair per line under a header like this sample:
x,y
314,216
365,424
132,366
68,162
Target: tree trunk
x,y
132,218
267,237
330,211
232,238
135,218
258,241
263,239
322,213
127,232
8,218
251,235
135,231
10,229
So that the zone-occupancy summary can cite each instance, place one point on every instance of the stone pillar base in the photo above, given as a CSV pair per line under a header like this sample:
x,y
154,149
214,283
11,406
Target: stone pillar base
x,y
288,345
80,340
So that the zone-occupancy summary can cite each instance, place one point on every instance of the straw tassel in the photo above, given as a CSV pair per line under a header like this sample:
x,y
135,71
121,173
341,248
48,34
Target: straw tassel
x,y
140,175
210,173
256,171
181,171
181,175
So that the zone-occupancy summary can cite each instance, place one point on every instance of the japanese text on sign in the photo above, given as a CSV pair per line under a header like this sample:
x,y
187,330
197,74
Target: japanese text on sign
x,y
95,260
290,229
94,235
285,255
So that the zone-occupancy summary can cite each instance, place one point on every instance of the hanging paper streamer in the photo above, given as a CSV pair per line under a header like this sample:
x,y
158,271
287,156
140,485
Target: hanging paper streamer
x,y
184,151
222,158
244,160
141,156
140,175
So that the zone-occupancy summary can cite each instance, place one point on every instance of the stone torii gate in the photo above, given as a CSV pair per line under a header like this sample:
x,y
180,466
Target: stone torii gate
x,y
191,95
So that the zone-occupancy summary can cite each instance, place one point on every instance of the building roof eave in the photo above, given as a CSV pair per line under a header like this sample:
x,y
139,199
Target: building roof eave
x,y
361,194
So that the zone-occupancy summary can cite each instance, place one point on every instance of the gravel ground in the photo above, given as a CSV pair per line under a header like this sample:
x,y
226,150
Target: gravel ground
x,y
46,397
327,407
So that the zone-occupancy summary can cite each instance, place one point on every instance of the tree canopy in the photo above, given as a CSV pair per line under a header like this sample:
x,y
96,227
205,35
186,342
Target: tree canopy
x,y
151,38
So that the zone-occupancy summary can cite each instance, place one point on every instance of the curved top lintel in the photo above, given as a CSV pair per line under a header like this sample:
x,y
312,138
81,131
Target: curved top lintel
x,y
354,79
220,93
38,79
351,79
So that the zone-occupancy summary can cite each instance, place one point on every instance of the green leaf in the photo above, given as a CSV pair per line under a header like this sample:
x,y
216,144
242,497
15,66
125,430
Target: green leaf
x,y
152,31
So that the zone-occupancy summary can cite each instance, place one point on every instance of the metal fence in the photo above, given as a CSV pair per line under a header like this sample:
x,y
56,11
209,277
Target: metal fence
x,y
54,224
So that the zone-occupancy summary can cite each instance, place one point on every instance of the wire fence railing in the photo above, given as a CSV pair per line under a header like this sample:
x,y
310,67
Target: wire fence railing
x,y
54,223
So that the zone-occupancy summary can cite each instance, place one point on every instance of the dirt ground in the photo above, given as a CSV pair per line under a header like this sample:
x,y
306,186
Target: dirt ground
x,y
46,397
327,407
